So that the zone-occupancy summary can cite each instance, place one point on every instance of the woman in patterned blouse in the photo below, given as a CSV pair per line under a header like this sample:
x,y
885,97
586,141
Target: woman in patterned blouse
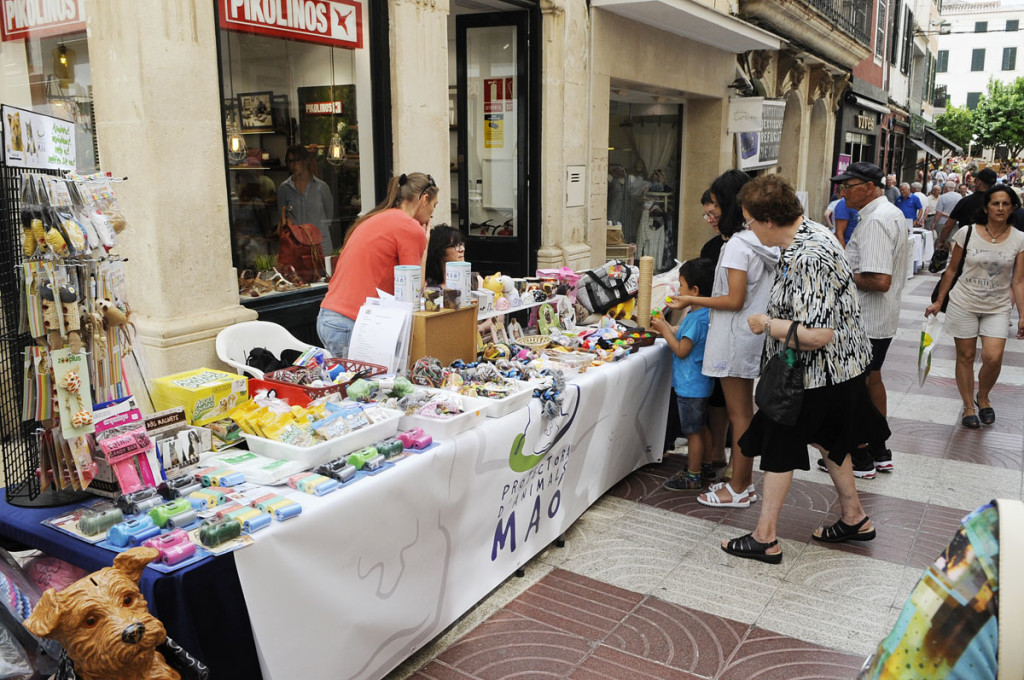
x,y
814,289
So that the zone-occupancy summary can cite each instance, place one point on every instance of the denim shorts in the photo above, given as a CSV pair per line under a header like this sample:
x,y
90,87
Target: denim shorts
x,y
692,411
335,331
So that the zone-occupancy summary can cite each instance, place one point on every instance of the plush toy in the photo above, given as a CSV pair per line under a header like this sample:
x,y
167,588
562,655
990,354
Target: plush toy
x,y
103,624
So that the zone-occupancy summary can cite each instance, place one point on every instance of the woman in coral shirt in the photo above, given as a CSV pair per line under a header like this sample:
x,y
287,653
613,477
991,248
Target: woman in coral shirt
x,y
393,233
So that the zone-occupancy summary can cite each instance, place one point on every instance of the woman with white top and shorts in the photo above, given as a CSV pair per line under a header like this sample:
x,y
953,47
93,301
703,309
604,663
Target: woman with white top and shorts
x,y
979,302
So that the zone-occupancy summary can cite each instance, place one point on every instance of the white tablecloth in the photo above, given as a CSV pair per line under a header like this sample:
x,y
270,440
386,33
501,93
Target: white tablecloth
x,y
370,573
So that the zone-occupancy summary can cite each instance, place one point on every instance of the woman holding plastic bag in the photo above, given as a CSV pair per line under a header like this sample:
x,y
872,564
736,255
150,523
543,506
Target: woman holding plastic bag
x,y
979,302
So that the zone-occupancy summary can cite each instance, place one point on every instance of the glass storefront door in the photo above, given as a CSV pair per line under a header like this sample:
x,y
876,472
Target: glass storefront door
x,y
493,149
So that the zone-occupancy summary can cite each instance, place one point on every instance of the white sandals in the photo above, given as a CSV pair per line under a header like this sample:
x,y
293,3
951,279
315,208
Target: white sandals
x,y
737,500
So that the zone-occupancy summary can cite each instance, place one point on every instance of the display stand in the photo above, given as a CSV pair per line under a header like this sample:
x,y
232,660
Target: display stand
x,y
17,439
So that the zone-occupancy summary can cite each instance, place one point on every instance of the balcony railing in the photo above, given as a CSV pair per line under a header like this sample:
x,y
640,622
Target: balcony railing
x,y
852,16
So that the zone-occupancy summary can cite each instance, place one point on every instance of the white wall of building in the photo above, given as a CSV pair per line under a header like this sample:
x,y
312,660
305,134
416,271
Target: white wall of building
x,y
962,40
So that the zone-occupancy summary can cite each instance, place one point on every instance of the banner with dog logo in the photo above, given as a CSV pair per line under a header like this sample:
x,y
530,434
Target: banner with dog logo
x,y
370,574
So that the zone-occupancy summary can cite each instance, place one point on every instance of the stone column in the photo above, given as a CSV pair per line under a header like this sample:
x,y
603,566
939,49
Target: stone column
x,y
419,93
565,137
158,120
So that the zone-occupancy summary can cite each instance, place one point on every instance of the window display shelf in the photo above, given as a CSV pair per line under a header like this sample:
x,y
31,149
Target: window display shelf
x,y
493,313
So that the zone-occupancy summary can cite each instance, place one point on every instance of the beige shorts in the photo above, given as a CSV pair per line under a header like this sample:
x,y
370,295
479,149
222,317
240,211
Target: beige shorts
x,y
963,324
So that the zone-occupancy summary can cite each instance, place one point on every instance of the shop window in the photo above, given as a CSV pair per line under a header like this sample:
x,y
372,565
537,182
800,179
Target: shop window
x,y
942,63
298,123
978,59
46,70
643,175
972,100
1009,58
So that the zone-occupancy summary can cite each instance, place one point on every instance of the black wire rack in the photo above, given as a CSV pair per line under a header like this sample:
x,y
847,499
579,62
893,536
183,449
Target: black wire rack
x,y
18,444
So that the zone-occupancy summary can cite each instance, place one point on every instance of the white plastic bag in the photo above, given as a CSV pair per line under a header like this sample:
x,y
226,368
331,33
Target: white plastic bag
x,y
931,334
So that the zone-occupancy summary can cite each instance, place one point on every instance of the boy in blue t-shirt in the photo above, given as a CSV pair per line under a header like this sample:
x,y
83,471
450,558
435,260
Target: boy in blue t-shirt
x,y
691,386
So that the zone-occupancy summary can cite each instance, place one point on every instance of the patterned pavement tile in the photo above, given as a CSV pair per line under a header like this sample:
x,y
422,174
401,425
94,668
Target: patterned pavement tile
x,y
677,636
576,604
607,663
637,486
831,571
508,645
623,563
770,656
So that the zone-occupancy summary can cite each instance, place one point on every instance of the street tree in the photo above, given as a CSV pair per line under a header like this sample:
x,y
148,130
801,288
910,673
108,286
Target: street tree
x,y
955,125
997,120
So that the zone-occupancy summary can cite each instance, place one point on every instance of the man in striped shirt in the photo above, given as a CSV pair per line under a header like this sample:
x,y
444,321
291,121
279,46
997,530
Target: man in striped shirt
x,y
878,252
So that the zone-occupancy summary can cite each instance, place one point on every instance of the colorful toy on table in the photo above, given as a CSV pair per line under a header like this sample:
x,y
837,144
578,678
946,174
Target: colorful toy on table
x,y
174,547
179,486
367,458
312,483
415,439
213,534
138,502
338,469
125,443
174,513
133,532
219,476
94,522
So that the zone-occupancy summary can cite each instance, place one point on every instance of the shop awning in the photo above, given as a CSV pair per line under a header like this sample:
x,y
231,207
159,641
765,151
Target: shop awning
x,y
695,21
924,147
955,147
866,103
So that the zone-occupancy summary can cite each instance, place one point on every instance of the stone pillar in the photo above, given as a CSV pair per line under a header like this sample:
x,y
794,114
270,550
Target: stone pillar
x,y
566,98
419,93
158,120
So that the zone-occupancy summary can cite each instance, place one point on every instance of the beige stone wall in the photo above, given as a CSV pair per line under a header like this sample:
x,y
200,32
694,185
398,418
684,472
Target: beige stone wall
x,y
158,123
419,93
629,51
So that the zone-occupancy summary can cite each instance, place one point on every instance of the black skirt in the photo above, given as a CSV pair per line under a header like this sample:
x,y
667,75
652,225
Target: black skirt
x,y
838,418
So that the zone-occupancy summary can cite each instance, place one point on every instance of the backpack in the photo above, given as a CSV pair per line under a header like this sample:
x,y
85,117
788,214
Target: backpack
x,y
300,248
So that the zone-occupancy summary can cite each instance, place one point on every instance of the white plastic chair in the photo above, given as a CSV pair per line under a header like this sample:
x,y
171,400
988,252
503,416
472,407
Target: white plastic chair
x,y
235,342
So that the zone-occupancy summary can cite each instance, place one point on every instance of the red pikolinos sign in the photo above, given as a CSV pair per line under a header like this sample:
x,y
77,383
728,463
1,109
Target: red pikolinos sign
x,y
39,18
331,22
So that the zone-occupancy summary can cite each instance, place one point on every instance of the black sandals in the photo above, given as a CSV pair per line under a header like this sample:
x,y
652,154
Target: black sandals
x,y
841,531
750,548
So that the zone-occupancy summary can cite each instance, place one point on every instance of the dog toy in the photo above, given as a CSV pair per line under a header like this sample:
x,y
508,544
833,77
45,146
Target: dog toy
x,y
106,629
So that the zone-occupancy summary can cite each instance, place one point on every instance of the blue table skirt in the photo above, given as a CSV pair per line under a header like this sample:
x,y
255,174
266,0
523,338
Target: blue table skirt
x,y
201,606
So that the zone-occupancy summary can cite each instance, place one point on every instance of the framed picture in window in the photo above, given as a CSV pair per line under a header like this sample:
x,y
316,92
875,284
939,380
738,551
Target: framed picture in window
x,y
256,111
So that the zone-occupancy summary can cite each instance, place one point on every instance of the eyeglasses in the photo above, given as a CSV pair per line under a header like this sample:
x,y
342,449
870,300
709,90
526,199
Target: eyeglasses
x,y
847,186
710,217
746,223
458,246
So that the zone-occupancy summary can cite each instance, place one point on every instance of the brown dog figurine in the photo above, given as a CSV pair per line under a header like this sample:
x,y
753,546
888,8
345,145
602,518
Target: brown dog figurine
x,y
103,623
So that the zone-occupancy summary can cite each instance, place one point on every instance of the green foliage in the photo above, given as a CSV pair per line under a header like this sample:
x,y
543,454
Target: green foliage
x,y
998,120
264,262
955,125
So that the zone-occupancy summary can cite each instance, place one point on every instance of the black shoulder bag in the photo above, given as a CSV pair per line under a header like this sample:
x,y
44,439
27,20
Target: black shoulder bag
x,y
959,271
780,390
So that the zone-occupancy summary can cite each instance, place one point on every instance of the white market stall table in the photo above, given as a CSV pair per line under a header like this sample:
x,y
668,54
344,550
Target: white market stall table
x,y
371,573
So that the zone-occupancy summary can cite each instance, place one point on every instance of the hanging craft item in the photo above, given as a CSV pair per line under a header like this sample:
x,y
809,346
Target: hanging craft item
x,y
73,392
547,319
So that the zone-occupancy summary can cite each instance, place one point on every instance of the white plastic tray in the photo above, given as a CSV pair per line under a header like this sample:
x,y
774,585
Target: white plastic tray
x,y
513,402
475,410
321,453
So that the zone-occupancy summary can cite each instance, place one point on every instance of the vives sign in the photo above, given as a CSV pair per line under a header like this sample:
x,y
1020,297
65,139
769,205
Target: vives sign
x,y
331,22
21,19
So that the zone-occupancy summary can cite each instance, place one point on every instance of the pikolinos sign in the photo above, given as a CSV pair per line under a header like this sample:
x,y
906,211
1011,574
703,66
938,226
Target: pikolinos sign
x,y
37,18
331,22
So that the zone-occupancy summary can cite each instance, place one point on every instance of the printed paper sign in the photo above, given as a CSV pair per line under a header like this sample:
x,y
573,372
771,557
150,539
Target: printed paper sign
x,y
33,140
331,22
39,18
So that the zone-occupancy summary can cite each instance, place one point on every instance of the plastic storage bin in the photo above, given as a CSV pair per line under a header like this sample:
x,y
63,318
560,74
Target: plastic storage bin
x,y
474,412
321,453
275,377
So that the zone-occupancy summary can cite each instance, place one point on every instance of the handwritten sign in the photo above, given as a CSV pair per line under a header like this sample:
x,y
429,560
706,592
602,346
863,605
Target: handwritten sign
x,y
36,141
745,114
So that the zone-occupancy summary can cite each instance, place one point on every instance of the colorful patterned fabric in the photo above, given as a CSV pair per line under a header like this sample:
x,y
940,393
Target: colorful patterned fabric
x,y
814,285
949,627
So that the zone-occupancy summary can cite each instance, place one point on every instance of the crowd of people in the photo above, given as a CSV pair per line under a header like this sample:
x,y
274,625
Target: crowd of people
x,y
772,278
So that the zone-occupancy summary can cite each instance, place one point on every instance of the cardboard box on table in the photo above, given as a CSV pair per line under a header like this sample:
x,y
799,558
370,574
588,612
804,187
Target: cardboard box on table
x,y
446,335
